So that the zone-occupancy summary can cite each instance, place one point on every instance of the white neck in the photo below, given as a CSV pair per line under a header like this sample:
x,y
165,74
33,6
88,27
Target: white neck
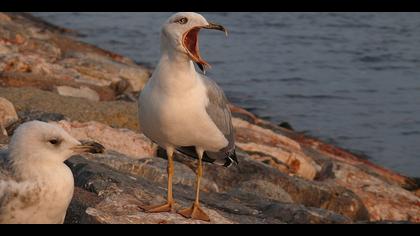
x,y
39,169
175,72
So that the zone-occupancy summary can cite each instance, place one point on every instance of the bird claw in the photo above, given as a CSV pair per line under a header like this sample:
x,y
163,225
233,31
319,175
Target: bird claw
x,y
167,207
195,212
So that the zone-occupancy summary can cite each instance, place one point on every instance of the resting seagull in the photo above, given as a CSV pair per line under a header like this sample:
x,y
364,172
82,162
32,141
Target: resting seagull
x,y
183,110
36,187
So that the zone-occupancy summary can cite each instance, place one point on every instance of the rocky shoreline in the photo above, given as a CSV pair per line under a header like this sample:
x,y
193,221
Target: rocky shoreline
x,y
283,176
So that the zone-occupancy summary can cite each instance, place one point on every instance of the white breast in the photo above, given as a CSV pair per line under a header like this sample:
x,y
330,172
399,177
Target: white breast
x,y
38,201
179,117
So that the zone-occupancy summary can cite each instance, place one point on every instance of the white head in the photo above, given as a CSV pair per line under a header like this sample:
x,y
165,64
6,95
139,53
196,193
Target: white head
x,y
180,35
39,142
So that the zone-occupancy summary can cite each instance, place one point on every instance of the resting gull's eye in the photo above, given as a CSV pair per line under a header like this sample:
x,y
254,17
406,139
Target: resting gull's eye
x,y
54,141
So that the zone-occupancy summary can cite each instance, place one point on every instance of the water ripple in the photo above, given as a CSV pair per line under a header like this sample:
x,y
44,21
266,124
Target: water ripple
x,y
317,97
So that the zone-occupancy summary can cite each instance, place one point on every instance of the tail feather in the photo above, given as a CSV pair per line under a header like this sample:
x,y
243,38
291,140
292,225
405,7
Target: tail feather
x,y
219,158
231,158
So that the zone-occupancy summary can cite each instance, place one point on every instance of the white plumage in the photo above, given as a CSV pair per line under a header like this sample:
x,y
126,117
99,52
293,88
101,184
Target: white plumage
x,y
35,185
181,109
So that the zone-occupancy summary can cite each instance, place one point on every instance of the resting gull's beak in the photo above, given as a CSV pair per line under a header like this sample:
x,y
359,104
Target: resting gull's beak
x,y
88,147
190,43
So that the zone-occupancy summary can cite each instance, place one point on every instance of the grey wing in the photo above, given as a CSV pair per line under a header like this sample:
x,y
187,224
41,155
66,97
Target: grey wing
x,y
218,109
219,112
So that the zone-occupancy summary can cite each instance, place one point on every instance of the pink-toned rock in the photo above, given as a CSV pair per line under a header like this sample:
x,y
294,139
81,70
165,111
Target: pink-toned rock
x,y
4,17
383,200
103,71
124,141
6,49
248,202
19,39
417,193
262,135
337,154
254,139
32,46
7,115
38,50
82,92
382,194
65,86
29,64
297,163
124,209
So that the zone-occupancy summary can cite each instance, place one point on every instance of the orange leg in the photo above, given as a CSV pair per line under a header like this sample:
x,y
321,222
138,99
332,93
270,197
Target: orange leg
x,y
196,212
168,206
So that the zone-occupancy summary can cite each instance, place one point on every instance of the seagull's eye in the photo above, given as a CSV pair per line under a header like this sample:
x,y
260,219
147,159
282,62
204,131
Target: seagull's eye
x,y
54,141
183,20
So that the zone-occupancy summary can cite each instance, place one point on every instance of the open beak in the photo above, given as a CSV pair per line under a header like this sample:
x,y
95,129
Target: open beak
x,y
215,26
190,43
88,147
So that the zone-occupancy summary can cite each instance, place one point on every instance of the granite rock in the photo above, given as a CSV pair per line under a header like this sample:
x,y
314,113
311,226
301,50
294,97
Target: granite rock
x,y
8,115
283,177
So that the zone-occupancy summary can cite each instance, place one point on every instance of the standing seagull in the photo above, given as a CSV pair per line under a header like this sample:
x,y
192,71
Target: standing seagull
x,y
35,185
183,110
